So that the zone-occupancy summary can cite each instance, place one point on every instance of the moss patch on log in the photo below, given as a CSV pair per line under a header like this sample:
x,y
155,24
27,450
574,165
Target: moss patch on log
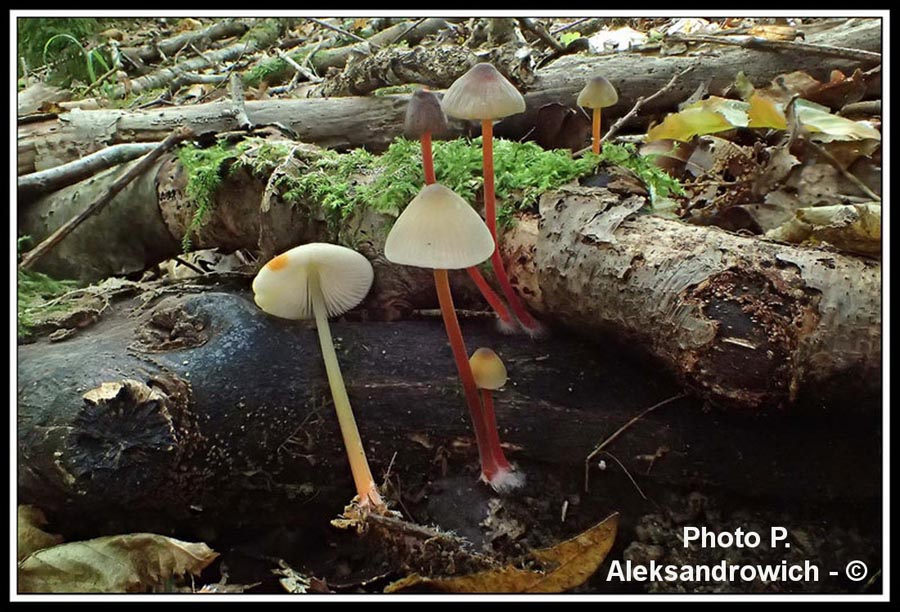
x,y
339,184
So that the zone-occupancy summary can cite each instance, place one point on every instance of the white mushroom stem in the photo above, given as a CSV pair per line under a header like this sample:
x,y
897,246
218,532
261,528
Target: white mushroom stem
x,y
359,466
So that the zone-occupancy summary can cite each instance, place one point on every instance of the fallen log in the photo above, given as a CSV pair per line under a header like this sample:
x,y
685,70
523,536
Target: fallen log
x,y
199,39
744,321
374,122
205,415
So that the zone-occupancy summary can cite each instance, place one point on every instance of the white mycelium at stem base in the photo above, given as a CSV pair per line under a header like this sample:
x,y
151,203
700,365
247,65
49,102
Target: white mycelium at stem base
x,y
322,279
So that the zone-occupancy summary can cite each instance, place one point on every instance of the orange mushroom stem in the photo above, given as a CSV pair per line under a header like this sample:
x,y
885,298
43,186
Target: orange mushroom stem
x,y
530,324
595,131
460,356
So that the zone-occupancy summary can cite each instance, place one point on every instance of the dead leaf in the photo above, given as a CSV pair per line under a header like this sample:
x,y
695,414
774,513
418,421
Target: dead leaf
x,y
29,535
567,565
855,228
187,24
132,563
773,32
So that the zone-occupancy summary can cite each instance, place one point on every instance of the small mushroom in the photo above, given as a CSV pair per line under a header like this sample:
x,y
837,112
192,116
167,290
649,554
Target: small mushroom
x,y
318,280
597,94
490,375
439,230
425,117
485,95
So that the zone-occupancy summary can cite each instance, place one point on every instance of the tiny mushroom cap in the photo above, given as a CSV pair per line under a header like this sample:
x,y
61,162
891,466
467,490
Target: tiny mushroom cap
x,y
598,93
482,93
439,230
424,115
282,287
488,369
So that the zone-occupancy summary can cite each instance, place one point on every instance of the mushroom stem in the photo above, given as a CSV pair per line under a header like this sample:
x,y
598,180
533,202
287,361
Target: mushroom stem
x,y
490,214
498,459
427,159
359,467
460,355
489,294
506,320
595,142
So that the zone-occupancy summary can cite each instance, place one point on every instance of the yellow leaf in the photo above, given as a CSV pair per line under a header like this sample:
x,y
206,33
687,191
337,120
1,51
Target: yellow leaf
x,y
29,535
765,113
568,565
132,563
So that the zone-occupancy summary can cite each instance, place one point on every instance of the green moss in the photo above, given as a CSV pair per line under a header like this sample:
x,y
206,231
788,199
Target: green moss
x,y
205,169
272,71
34,292
339,184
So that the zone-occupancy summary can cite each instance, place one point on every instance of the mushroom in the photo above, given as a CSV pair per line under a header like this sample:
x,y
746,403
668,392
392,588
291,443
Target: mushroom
x,y
318,280
490,375
597,94
425,117
485,95
439,230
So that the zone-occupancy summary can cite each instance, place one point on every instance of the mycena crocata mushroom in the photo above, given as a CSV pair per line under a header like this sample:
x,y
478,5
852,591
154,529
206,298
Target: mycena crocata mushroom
x,y
424,119
440,231
596,95
319,280
485,95
490,375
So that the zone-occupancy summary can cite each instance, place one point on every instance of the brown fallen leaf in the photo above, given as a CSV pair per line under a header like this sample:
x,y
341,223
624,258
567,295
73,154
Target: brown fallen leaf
x,y
29,535
132,563
567,565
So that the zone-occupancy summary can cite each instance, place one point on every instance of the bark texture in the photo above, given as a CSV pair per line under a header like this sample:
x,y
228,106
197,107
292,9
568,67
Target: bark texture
x,y
204,412
745,322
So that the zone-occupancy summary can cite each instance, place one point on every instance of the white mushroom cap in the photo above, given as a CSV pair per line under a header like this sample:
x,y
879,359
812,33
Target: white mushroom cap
x,y
598,93
281,288
439,230
482,93
488,369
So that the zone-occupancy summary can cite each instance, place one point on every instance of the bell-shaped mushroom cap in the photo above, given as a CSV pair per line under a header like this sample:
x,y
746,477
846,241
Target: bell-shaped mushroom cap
x,y
598,93
424,115
439,230
488,369
482,93
281,288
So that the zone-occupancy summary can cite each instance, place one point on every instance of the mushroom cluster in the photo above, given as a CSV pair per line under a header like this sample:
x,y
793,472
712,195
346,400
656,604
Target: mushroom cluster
x,y
485,95
440,231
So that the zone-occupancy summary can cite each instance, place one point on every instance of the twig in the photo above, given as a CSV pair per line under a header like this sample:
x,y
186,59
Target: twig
x,y
618,432
570,25
298,70
339,30
237,99
615,127
139,168
840,168
627,473
403,34
540,32
867,107
781,45
46,181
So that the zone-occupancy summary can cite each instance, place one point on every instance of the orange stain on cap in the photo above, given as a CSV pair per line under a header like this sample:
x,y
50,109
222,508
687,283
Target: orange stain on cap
x,y
278,263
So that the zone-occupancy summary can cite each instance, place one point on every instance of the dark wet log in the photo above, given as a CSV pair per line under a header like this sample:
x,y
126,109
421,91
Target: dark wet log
x,y
374,122
226,423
